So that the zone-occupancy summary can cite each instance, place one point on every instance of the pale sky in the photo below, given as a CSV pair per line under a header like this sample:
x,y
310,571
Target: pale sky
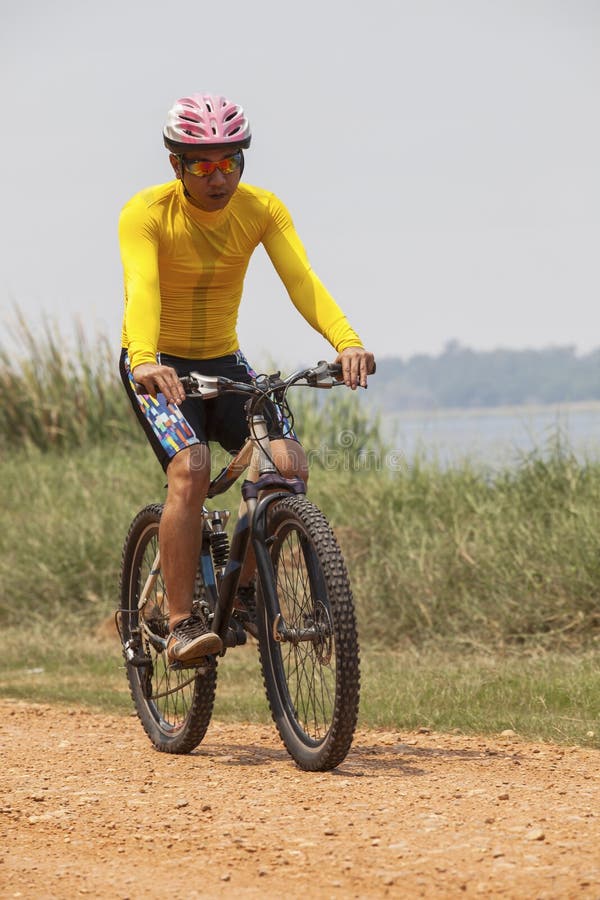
x,y
440,159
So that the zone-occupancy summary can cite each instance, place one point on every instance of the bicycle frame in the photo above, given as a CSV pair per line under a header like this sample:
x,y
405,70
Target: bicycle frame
x,y
258,495
250,527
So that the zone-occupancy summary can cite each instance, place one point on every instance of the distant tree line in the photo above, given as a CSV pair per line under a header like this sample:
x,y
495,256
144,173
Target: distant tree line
x,y
461,377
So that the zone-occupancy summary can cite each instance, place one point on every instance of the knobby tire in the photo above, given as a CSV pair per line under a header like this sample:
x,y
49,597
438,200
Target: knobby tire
x,y
312,686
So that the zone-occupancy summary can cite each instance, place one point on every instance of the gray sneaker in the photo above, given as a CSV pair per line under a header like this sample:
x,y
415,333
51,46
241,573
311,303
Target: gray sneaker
x,y
191,640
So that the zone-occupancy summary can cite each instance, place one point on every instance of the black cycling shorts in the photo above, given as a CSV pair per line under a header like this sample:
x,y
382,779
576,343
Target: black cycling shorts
x,y
171,428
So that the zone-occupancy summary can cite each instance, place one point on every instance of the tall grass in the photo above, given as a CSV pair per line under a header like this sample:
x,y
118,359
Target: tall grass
x,y
447,556
436,555
457,554
58,393
338,431
62,520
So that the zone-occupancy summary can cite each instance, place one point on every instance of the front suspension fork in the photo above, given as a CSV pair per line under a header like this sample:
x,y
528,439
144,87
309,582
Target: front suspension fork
x,y
258,510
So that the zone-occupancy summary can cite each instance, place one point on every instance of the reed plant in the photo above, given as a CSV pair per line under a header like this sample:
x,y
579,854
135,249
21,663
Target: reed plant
x,y
59,392
338,431
473,557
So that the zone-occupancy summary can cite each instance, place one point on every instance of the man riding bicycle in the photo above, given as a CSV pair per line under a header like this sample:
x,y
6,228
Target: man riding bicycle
x,y
185,248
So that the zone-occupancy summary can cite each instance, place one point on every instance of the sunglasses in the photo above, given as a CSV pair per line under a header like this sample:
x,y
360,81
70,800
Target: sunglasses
x,y
202,168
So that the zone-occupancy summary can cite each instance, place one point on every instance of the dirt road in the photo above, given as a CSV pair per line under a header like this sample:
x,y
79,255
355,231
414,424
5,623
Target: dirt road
x,y
88,807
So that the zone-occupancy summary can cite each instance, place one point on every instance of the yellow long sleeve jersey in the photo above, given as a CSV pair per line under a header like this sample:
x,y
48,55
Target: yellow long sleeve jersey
x,y
184,271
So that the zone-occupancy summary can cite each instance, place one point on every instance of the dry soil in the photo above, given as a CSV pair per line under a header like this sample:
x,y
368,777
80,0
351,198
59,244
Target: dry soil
x,y
89,807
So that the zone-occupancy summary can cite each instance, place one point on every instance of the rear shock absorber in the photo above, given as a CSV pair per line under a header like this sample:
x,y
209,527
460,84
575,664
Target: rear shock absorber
x,y
219,539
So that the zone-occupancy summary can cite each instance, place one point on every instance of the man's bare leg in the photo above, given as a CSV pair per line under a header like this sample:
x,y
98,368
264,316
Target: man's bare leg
x,y
290,459
180,534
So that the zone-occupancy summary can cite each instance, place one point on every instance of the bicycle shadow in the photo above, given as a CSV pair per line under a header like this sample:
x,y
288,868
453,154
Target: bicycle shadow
x,y
394,760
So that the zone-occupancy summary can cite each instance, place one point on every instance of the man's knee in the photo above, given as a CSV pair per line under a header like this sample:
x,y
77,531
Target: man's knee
x,y
188,473
290,459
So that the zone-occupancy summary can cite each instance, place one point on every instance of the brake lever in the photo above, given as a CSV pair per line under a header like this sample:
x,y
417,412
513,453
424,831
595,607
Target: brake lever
x,y
205,386
321,376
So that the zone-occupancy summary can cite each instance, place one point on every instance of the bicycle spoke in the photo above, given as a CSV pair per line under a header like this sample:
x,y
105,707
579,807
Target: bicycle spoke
x,y
310,692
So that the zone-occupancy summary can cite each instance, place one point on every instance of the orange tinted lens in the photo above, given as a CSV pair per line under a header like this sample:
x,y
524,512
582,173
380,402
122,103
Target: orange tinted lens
x,y
229,165
202,168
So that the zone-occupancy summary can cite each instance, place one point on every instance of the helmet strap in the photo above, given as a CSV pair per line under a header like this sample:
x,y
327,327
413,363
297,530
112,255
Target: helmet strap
x,y
186,193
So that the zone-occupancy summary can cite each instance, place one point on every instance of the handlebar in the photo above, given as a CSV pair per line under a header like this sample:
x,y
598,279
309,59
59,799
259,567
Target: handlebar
x,y
323,375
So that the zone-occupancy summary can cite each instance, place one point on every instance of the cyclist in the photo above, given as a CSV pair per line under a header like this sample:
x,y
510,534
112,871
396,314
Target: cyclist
x,y
185,247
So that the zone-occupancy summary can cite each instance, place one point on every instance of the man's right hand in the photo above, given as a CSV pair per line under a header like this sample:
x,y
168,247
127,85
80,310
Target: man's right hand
x,y
157,379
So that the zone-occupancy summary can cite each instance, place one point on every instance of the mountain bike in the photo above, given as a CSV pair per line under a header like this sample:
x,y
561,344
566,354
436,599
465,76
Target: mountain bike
x,y
305,617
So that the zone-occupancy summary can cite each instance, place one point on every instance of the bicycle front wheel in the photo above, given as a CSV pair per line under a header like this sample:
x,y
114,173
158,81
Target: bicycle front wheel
x,y
173,705
312,673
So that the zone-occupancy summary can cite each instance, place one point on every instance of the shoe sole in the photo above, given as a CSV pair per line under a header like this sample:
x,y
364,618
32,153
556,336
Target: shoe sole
x,y
202,666
205,645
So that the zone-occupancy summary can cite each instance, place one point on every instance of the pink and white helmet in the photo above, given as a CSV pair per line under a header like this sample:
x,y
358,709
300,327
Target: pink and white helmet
x,y
205,120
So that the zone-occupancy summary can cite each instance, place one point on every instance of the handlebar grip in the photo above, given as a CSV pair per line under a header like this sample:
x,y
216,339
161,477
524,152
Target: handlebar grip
x,y
336,368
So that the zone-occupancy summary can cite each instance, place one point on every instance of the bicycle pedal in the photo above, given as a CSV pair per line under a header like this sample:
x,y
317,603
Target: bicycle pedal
x,y
235,635
133,656
140,662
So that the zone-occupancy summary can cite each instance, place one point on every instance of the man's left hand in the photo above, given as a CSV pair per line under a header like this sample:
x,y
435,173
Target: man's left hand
x,y
357,363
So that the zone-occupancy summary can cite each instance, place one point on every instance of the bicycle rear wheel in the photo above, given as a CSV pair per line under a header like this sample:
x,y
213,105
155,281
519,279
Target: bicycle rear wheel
x,y
173,705
312,676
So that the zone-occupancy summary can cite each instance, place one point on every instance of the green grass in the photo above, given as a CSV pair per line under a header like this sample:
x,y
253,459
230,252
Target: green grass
x,y
544,696
509,561
62,523
500,570
547,696
50,664
61,665
58,392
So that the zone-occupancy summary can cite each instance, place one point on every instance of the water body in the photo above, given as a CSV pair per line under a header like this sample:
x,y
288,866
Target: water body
x,y
495,436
